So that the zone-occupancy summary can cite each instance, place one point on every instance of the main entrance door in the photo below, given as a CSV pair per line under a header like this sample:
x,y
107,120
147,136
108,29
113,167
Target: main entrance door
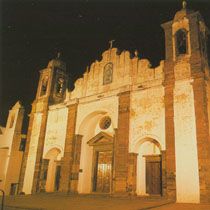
x,y
102,171
153,175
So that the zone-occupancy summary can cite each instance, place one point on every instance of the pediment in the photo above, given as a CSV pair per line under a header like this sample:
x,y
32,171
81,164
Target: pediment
x,y
101,139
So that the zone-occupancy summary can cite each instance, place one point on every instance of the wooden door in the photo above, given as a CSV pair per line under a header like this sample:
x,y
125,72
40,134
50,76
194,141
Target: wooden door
x,y
57,177
103,171
153,175
13,189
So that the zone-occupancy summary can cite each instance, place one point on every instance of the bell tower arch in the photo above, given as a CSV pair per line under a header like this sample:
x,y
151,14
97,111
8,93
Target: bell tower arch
x,y
52,82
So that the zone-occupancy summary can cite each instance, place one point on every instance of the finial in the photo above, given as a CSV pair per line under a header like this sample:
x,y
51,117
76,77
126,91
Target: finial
x,y
184,4
58,55
136,53
87,69
111,43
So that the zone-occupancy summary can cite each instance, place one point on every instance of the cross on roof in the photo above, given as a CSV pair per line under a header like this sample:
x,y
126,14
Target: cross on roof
x,y
111,43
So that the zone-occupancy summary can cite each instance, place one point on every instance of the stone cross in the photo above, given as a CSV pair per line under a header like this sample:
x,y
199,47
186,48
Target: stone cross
x,y
111,43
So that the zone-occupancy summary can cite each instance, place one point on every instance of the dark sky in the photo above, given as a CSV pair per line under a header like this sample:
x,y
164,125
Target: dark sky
x,y
33,31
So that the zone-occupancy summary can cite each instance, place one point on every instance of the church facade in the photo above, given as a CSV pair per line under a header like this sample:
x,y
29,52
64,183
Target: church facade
x,y
126,128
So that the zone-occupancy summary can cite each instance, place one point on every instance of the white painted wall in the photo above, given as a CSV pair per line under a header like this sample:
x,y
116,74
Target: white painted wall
x,y
147,116
10,160
3,163
30,166
126,71
56,130
187,174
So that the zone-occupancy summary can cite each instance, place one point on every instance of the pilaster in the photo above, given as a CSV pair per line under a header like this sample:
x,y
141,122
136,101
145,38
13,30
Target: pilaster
x,y
169,130
121,144
203,139
67,160
43,175
25,155
75,163
163,171
132,172
39,154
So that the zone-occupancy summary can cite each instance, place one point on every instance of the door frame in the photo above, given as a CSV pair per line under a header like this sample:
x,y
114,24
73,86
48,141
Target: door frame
x,y
154,158
101,142
95,169
58,164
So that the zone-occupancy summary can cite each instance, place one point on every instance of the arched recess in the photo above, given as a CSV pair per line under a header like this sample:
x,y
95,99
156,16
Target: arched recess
x,y
149,167
51,170
181,40
89,129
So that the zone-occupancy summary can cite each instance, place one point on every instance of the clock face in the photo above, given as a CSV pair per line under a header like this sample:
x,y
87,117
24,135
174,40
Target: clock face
x,y
108,71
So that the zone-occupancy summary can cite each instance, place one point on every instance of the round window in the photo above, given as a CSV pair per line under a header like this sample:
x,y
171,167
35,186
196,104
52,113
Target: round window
x,y
105,122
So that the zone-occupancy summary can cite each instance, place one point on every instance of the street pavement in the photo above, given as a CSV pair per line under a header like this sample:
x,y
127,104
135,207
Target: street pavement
x,y
93,202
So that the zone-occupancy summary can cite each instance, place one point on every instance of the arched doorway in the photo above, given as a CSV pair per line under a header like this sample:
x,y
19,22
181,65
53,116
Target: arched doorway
x,y
95,128
102,145
52,170
149,167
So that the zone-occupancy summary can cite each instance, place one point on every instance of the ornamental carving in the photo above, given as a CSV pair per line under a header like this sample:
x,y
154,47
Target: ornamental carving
x,y
108,72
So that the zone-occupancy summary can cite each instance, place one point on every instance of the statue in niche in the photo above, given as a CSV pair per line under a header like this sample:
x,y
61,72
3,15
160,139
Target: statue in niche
x,y
44,86
108,71
181,42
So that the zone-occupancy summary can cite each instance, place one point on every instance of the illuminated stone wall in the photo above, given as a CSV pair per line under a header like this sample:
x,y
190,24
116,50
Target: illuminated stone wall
x,y
127,70
56,129
136,102
147,116
185,144
30,167
10,156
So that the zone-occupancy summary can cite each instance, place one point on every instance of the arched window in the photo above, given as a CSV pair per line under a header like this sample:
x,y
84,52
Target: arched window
x,y
44,86
181,42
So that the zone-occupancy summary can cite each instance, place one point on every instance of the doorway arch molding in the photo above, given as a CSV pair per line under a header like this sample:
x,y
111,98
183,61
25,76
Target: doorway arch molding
x,y
151,138
83,122
147,158
56,148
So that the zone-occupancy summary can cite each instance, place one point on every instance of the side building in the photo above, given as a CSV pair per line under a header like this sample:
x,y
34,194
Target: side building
x,y
12,145
126,128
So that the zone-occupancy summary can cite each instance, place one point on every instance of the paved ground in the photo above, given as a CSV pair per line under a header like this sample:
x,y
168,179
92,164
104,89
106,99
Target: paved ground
x,y
93,202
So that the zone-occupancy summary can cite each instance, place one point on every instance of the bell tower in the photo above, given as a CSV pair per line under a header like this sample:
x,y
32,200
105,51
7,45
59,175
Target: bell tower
x,y
187,100
51,90
53,82
186,35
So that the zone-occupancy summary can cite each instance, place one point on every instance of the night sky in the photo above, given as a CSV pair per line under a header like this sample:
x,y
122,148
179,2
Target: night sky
x,y
33,31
